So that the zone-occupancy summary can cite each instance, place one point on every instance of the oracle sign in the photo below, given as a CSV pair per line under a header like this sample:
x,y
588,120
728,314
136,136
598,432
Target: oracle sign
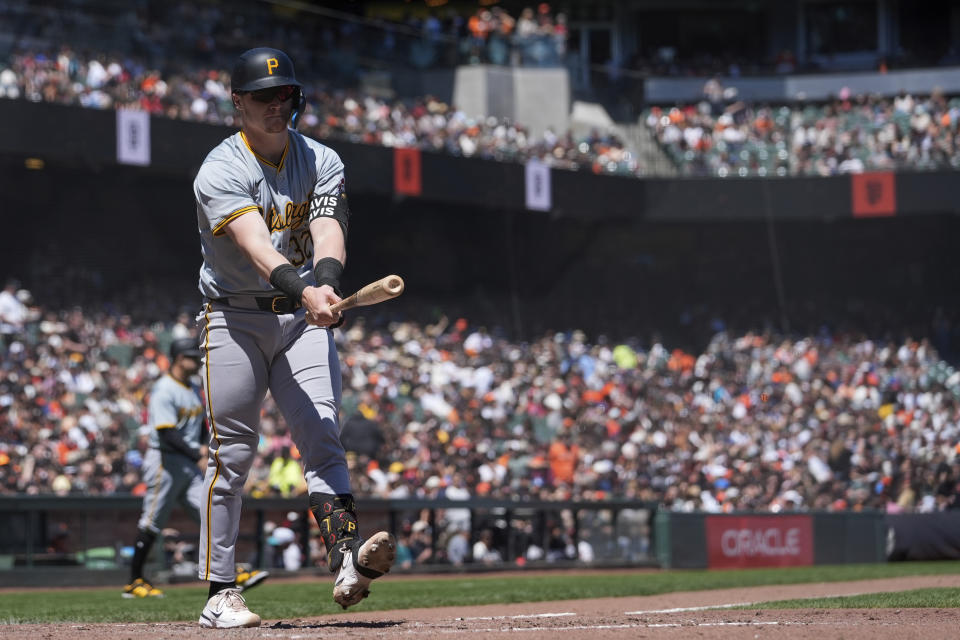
x,y
759,541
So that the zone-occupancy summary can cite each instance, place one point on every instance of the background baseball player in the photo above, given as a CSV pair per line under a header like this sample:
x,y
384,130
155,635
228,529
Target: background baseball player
x,y
177,443
273,220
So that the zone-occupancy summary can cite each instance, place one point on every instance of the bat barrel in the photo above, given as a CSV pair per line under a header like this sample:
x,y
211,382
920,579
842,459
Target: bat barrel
x,y
383,289
393,285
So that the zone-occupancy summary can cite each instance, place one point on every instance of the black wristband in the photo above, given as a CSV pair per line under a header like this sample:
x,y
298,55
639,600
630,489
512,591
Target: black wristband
x,y
328,271
286,278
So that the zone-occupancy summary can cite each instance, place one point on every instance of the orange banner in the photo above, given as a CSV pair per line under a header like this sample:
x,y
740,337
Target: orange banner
x,y
406,172
873,194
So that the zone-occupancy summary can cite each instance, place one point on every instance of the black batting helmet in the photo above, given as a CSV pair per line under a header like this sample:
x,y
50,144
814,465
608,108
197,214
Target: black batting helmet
x,y
262,68
265,67
185,347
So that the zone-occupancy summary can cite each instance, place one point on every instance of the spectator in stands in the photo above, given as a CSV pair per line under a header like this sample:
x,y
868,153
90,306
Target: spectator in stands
x,y
851,134
458,548
9,86
405,556
258,482
483,550
526,24
287,553
13,311
286,474
421,544
564,456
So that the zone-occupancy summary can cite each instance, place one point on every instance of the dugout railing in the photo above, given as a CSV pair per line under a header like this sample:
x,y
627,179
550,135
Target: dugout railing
x,y
46,539
47,535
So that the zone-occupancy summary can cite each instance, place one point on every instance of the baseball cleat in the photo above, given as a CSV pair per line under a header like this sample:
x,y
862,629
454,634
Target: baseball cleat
x,y
250,579
362,565
140,588
226,610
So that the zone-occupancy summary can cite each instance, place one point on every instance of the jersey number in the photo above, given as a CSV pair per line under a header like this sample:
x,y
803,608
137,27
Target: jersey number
x,y
301,244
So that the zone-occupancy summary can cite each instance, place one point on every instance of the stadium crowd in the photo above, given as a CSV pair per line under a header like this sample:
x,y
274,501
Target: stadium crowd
x,y
346,114
181,73
184,32
851,134
536,37
752,422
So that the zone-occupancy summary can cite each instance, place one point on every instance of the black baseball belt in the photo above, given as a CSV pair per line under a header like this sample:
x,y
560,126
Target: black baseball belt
x,y
275,304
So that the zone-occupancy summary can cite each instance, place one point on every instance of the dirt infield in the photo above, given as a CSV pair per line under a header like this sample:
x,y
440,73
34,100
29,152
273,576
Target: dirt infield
x,y
675,615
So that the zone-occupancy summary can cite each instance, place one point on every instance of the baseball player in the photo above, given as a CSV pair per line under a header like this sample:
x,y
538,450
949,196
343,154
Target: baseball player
x,y
170,468
273,217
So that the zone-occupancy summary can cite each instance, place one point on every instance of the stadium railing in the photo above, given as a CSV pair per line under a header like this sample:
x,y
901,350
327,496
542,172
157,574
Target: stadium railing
x,y
89,532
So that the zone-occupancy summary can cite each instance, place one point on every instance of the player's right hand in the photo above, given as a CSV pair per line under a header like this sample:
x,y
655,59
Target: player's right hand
x,y
317,301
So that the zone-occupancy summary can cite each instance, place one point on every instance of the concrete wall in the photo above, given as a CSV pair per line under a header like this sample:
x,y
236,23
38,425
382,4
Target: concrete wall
x,y
536,98
660,90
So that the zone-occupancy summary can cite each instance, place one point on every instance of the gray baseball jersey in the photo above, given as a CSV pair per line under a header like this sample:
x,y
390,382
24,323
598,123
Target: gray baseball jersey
x,y
248,351
174,405
234,180
172,477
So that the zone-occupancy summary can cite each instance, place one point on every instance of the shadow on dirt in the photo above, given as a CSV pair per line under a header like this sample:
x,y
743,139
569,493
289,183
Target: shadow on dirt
x,y
358,624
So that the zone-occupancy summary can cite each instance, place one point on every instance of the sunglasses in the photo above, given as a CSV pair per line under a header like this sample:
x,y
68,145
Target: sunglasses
x,y
283,92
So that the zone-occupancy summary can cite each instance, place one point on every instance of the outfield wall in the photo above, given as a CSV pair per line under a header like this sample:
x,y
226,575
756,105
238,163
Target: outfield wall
x,y
924,536
47,535
751,540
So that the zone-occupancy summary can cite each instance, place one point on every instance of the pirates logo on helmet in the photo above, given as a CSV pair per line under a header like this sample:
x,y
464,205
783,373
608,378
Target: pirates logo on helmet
x,y
265,67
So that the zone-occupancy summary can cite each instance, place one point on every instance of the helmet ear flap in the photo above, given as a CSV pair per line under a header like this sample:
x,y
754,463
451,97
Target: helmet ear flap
x,y
301,101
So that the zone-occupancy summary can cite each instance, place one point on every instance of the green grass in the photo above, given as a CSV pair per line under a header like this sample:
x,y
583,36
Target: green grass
x,y
294,600
937,597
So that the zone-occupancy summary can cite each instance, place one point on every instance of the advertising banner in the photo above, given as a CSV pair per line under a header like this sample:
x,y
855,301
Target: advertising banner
x,y
538,186
874,194
758,541
406,172
133,137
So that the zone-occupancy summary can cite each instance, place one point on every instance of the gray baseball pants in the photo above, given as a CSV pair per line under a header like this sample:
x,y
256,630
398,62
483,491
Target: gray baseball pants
x,y
247,353
170,478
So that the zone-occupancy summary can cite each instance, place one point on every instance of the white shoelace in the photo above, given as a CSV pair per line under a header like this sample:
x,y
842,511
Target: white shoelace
x,y
234,600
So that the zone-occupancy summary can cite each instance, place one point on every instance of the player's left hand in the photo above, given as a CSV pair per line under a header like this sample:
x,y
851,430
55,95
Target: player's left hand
x,y
337,323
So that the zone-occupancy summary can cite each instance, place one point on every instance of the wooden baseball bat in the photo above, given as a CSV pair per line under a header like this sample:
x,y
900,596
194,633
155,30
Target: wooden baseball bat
x,y
383,289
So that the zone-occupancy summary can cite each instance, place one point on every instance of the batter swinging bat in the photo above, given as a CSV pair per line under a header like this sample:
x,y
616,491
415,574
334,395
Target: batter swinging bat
x,y
382,289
